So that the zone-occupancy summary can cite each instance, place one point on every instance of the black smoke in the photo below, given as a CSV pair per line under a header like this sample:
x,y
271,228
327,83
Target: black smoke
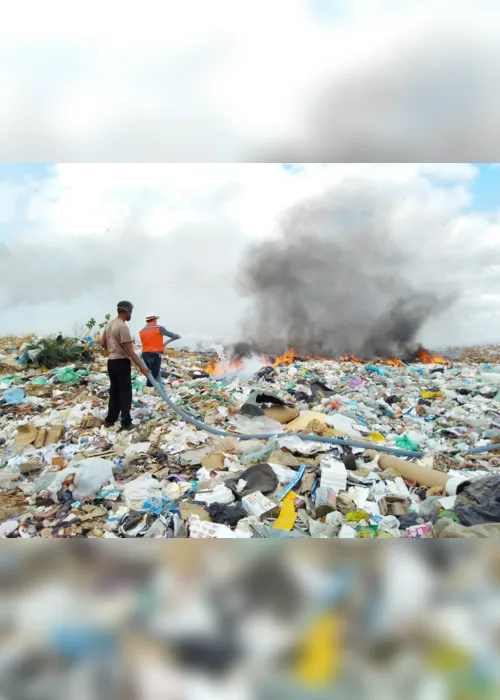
x,y
337,281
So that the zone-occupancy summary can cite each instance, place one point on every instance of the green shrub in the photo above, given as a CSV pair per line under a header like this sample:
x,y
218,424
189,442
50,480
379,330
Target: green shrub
x,y
55,352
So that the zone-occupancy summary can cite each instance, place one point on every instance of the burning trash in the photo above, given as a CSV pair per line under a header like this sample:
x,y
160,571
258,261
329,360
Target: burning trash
x,y
253,445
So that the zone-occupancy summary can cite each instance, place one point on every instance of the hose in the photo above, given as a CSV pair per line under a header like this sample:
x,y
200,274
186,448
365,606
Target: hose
x,y
485,448
342,442
160,390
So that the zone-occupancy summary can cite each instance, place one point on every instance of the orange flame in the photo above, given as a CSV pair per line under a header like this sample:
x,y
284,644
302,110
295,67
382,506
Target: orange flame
x,y
286,359
350,358
291,356
219,367
429,359
393,361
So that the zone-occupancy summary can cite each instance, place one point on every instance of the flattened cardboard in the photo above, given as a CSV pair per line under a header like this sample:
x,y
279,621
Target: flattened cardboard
x,y
28,467
41,437
393,505
283,414
91,422
26,435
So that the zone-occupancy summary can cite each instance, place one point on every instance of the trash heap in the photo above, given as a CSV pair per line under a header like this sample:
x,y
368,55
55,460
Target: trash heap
x,y
63,474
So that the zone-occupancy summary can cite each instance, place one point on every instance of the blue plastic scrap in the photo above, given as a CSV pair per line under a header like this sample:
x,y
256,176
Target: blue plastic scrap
x,y
13,396
289,487
377,370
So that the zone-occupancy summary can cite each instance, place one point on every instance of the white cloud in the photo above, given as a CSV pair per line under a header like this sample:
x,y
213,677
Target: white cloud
x,y
225,80
173,236
10,195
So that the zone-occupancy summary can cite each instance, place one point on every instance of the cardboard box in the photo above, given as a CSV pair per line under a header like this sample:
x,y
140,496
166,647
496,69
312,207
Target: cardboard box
x,y
393,505
325,502
260,506
91,422
425,531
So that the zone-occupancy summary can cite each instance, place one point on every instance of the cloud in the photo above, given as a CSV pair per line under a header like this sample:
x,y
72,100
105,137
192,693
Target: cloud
x,y
176,238
378,80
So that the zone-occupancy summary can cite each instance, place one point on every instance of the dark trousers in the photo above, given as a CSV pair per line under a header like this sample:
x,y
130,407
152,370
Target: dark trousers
x,y
120,391
152,361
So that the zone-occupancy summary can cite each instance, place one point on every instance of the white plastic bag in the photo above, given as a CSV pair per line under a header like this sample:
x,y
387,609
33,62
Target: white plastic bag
x,y
258,425
221,494
91,475
141,489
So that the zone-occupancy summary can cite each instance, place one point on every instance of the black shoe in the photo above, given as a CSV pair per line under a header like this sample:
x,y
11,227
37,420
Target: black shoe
x,y
107,424
127,426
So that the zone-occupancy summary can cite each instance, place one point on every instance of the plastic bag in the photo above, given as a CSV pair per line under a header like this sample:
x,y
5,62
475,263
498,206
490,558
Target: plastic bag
x,y
8,527
8,479
92,474
405,443
259,455
260,477
142,489
448,528
479,502
220,494
40,381
13,396
376,370
67,375
258,425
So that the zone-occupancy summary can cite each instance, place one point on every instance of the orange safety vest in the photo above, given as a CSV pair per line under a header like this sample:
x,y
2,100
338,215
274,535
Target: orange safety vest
x,y
151,339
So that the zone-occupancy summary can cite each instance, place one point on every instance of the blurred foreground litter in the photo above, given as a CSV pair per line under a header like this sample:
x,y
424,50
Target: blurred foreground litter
x,y
138,622
63,474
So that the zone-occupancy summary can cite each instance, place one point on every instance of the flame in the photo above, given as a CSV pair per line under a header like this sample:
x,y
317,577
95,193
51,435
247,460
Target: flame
x,y
350,358
393,361
286,359
219,367
429,359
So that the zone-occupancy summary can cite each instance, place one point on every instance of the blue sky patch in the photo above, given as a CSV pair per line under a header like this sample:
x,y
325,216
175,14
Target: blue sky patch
x,y
486,187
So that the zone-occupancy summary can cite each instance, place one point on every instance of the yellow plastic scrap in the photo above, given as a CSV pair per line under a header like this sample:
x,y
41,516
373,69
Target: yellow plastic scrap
x,y
430,394
376,437
447,658
288,516
318,664
356,516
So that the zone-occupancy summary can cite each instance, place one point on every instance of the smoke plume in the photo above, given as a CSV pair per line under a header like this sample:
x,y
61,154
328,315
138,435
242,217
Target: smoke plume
x,y
335,281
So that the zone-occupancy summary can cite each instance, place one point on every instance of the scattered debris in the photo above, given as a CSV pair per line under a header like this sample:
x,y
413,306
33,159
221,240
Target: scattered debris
x,y
63,473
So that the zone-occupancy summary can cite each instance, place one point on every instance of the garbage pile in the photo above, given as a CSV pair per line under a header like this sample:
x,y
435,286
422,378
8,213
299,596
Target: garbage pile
x,y
63,474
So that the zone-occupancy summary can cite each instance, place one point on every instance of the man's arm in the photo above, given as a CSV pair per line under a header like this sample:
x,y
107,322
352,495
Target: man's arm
x,y
129,349
103,342
169,334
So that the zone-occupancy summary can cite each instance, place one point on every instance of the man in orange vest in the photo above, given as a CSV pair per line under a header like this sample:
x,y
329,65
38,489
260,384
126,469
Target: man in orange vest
x,y
152,344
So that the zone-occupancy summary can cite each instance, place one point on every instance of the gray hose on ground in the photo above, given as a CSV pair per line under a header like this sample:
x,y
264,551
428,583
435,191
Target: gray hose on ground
x,y
485,448
160,390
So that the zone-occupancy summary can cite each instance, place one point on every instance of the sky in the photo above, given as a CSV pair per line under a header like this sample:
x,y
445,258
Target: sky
x,y
77,238
251,81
